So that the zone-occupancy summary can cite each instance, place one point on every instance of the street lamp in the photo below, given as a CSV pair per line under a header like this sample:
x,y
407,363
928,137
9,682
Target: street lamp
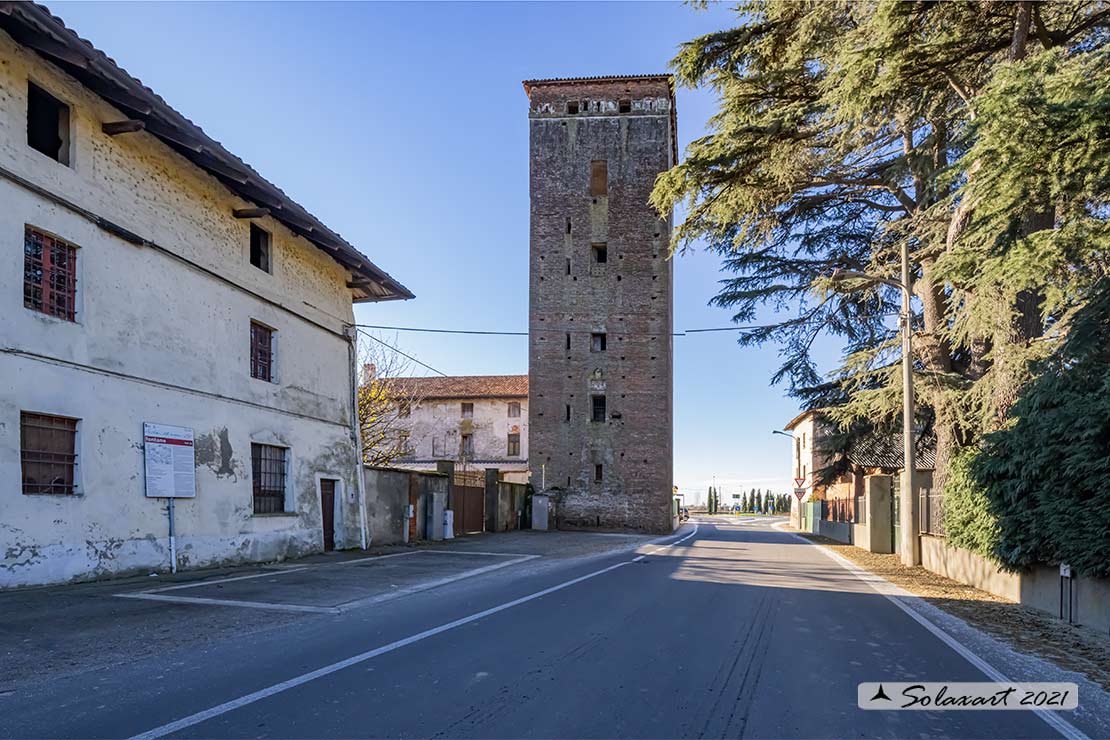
x,y
910,545
785,434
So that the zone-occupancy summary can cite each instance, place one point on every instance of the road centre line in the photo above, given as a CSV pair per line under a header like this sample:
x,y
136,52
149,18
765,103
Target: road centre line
x,y
251,698
895,595
255,696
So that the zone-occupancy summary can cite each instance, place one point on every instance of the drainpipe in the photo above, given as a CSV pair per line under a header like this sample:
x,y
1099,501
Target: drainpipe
x,y
356,436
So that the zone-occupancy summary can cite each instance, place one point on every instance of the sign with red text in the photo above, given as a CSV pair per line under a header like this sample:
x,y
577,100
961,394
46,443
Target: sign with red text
x,y
170,461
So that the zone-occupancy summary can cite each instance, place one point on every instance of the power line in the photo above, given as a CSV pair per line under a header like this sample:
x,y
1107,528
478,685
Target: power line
x,y
390,346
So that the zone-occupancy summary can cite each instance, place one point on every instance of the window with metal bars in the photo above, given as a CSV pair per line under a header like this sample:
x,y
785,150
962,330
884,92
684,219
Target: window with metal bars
x,y
598,409
467,446
49,275
262,352
268,474
48,452
514,445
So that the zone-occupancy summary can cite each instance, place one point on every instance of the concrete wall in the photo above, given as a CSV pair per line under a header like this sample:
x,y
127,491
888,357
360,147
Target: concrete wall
x,y
628,298
839,531
157,339
1038,587
387,501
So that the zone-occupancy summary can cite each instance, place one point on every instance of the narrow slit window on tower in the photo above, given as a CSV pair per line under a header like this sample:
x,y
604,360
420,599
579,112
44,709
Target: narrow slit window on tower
x,y
568,340
47,124
599,473
568,225
598,409
599,177
568,265
572,107
568,412
600,252
597,342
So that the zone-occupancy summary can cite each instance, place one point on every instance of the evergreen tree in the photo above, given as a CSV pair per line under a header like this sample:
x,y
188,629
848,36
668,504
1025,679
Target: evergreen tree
x,y
969,131
744,502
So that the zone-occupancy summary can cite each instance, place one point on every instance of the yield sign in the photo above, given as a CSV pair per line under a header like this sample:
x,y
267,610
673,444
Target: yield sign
x,y
799,482
800,493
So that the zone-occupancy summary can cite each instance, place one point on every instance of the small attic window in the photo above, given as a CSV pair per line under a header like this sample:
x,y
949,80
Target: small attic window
x,y
624,106
47,124
572,107
260,248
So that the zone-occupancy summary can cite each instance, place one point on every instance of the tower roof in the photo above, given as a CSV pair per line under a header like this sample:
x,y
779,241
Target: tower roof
x,y
529,84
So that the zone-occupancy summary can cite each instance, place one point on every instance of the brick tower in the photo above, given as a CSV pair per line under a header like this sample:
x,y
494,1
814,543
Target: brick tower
x,y
600,317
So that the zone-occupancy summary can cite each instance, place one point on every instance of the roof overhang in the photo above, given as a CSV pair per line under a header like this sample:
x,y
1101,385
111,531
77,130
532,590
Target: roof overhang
x,y
34,27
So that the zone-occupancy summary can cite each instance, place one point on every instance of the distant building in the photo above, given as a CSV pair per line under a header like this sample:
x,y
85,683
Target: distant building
x,y
149,276
478,421
600,312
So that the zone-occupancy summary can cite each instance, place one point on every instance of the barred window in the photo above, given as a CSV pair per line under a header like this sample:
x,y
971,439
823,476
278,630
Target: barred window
x,y
514,410
468,446
514,445
48,452
268,473
598,409
49,275
262,352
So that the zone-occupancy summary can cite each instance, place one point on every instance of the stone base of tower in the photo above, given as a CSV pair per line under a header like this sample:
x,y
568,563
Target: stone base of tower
x,y
644,513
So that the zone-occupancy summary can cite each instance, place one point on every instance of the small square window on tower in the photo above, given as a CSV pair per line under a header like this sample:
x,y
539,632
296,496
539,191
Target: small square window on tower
x,y
260,248
47,124
599,177
572,107
624,106
597,342
600,252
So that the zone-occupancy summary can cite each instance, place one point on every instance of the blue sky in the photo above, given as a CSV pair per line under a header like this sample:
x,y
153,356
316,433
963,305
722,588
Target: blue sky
x,y
403,126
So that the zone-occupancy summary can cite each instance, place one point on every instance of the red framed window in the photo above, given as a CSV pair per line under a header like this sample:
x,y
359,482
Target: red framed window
x,y
48,452
49,275
262,352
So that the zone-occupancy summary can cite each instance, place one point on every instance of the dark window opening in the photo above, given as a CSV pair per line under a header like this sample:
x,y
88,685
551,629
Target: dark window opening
x,y
568,412
597,342
568,225
514,445
599,177
268,472
568,340
47,124
262,352
598,409
47,452
624,106
468,410
260,248
467,446
49,275
514,410
599,473
572,107
568,265
601,253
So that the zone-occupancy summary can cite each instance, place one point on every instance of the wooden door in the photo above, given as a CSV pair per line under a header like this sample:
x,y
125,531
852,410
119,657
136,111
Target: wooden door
x,y
327,510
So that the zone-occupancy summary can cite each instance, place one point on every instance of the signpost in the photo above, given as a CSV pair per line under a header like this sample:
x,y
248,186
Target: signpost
x,y
170,464
799,488
800,493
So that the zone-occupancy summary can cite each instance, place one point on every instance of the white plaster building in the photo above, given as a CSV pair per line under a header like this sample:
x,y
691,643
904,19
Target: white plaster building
x,y
149,275
479,421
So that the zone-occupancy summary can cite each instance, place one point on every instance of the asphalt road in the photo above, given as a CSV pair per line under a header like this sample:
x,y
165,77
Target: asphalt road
x,y
736,630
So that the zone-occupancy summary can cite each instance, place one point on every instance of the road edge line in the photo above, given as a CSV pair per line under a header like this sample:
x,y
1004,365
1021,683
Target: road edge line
x,y
896,593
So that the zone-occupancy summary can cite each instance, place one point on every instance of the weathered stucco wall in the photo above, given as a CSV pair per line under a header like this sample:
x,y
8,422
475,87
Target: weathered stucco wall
x,y
628,298
158,340
436,426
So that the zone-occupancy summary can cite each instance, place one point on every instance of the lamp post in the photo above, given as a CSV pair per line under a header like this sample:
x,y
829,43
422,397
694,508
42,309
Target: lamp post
x,y
909,541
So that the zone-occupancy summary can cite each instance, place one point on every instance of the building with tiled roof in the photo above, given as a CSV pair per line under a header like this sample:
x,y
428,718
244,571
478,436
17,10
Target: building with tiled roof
x,y
477,421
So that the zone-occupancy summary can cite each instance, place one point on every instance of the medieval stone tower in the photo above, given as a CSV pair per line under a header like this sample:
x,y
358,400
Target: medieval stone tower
x,y
600,319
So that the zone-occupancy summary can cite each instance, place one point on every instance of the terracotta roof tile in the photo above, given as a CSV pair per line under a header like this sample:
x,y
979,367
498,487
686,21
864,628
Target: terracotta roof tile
x,y
463,386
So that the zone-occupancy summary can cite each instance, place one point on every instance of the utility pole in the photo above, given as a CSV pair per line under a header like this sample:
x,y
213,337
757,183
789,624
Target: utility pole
x,y
909,541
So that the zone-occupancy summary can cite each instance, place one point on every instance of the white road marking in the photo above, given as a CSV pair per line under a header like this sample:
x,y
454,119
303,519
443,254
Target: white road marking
x,y
894,594
232,602
251,698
